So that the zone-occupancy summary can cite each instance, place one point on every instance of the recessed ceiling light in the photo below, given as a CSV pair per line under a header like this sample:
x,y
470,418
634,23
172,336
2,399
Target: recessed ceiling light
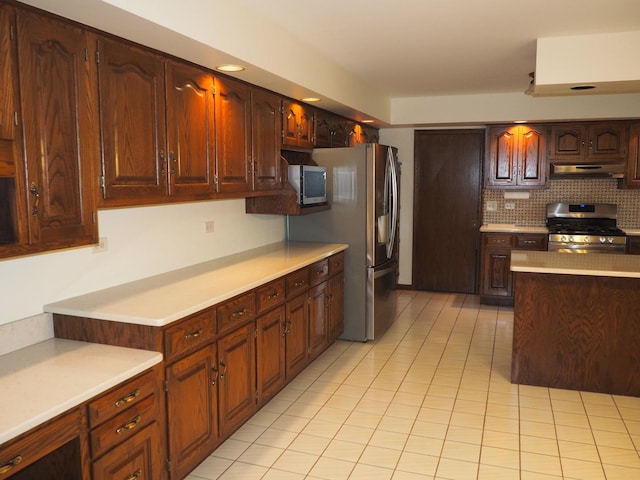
x,y
519,121
230,68
583,87
366,121
310,99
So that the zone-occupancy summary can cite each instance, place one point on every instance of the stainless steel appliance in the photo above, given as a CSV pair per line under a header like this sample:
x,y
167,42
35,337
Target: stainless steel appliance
x,y
363,193
584,228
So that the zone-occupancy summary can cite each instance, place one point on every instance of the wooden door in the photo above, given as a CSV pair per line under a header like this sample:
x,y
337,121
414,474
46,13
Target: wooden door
x,y
267,140
447,198
270,353
190,129
132,119
57,84
237,384
318,319
192,412
297,345
233,136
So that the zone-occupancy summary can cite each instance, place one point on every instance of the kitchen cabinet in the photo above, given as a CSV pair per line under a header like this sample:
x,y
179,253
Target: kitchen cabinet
x,y
270,354
588,142
297,124
318,307
266,140
516,157
57,450
336,296
47,201
496,281
632,177
297,340
190,153
633,245
332,130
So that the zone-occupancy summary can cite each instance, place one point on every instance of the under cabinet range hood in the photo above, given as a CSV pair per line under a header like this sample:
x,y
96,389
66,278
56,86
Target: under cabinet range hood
x,y
587,170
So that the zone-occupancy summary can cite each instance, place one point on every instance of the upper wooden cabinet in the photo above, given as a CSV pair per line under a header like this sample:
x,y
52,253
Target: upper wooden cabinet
x,y
59,127
516,156
632,177
190,129
266,140
297,124
132,119
585,142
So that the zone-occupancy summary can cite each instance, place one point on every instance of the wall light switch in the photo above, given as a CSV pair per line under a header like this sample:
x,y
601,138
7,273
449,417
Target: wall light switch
x,y
492,206
509,205
208,226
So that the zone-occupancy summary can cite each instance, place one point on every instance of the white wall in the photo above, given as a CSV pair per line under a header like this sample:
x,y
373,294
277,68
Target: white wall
x,y
141,242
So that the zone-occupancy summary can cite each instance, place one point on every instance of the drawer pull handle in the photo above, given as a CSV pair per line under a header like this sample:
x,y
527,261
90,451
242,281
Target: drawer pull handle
x,y
239,313
127,398
193,334
320,272
529,242
10,464
224,369
273,295
129,425
135,475
299,283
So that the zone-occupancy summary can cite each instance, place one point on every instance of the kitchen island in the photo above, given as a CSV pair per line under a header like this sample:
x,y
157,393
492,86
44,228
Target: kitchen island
x,y
577,321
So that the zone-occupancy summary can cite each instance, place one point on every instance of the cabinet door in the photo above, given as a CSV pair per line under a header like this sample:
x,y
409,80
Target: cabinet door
x,y
336,306
567,142
341,130
190,132
267,140
608,141
297,125
233,136
57,84
132,119
192,413
496,273
322,135
297,345
237,384
318,319
270,353
532,156
502,143
632,177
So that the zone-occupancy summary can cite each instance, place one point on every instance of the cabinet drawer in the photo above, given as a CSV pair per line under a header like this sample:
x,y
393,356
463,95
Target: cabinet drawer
x,y
498,240
123,426
18,454
297,282
531,242
236,311
318,272
189,333
120,398
270,295
336,263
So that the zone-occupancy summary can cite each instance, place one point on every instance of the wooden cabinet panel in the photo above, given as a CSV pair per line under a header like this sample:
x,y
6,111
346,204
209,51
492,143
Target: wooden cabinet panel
x,y
189,334
237,381
233,136
318,319
496,274
588,142
297,348
633,245
297,282
190,129
567,142
608,141
298,124
336,306
270,295
270,354
632,177
192,411
132,118
236,311
266,140
318,272
57,85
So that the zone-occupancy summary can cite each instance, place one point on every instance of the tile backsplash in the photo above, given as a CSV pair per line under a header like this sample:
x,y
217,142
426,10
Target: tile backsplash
x,y
533,210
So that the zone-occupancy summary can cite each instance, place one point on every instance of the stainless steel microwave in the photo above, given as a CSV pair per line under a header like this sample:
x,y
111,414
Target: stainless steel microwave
x,y
310,183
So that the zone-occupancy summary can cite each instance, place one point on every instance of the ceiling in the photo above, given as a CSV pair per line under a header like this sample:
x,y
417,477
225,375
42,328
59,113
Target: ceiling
x,y
421,48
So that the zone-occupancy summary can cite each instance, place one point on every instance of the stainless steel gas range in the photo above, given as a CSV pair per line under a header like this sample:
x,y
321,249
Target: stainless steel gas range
x,y
584,228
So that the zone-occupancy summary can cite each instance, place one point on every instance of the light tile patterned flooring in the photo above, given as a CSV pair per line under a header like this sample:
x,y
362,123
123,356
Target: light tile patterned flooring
x,y
429,400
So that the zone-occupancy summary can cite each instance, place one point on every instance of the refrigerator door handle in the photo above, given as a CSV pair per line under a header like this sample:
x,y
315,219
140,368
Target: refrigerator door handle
x,y
392,194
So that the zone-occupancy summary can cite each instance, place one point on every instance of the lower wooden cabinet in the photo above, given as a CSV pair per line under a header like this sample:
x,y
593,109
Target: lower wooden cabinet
x,y
336,306
633,245
318,319
496,281
297,335
270,353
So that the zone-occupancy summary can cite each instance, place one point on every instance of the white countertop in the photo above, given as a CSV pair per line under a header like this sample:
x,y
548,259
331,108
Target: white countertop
x,y
596,264
162,299
512,228
632,231
48,378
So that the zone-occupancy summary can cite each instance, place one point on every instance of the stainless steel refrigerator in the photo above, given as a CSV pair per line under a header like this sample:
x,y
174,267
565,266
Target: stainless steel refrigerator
x,y
363,193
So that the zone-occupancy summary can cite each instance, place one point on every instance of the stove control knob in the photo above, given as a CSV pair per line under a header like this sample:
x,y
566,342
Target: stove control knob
x,y
610,239
570,238
563,238
587,239
603,239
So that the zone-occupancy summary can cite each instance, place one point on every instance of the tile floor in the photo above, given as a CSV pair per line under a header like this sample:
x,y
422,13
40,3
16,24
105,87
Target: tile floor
x,y
430,400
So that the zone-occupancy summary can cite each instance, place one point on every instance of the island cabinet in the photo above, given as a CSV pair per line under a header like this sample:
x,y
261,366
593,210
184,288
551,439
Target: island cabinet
x,y
48,140
297,124
588,142
516,156
496,281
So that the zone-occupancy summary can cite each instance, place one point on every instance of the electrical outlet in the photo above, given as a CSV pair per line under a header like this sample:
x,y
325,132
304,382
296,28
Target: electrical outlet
x,y
492,206
509,205
208,226
101,246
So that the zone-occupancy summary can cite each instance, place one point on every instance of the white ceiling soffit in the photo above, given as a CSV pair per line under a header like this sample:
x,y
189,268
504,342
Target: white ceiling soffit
x,y
587,65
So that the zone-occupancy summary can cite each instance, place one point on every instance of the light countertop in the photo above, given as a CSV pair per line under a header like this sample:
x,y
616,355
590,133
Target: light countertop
x,y
48,378
162,299
597,264
634,232
512,228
